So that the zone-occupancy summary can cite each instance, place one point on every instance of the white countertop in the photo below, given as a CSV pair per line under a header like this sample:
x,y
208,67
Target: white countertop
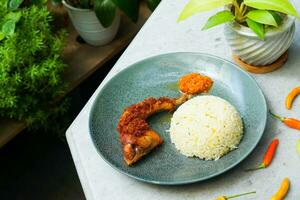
x,y
161,34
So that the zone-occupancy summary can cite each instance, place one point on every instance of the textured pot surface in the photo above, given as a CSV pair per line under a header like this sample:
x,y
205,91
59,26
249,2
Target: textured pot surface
x,y
244,42
89,28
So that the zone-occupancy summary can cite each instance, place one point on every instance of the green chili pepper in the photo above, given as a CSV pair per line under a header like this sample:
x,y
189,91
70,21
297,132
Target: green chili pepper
x,y
298,146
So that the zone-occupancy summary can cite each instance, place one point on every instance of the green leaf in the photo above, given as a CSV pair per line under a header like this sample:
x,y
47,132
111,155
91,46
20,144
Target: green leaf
x,y
196,6
262,16
152,4
219,18
14,4
105,11
2,36
298,146
256,28
8,28
15,16
277,17
283,6
129,7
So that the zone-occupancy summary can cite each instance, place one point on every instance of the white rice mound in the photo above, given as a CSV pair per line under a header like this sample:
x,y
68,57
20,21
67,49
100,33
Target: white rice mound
x,y
207,127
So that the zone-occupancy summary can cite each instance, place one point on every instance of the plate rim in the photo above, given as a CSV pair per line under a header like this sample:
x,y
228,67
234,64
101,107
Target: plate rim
x,y
132,65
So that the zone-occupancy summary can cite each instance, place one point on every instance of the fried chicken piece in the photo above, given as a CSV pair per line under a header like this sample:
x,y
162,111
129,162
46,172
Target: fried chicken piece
x,y
136,136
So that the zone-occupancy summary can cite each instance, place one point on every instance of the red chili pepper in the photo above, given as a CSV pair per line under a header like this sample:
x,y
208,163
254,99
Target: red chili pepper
x,y
290,122
268,155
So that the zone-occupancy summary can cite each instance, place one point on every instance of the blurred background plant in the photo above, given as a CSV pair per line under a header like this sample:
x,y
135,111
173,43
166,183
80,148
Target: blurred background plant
x,y
31,65
106,9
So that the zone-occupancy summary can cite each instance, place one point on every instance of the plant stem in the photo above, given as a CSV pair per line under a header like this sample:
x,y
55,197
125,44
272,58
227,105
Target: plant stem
x,y
238,195
244,11
236,5
277,116
235,9
242,7
238,11
261,166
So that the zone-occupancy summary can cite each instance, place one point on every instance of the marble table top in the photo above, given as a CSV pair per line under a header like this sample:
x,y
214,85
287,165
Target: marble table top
x,y
162,34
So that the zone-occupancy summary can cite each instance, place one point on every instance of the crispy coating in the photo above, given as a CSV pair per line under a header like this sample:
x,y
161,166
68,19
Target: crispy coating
x,y
195,83
136,114
136,136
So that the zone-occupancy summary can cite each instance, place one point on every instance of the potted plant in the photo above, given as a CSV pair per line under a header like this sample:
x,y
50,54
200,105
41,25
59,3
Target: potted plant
x,y
97,21
259,32
85,17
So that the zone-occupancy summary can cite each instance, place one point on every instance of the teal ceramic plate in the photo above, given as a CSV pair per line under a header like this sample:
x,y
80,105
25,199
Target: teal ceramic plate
x,y
155,77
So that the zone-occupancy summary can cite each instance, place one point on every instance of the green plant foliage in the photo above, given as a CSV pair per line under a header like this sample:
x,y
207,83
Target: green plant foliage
x,y
152,4
196,6
283,6
277,17
8,28
105,11
14,4
256,27
9,24
129,7
262,16
257,14
31,67
219,18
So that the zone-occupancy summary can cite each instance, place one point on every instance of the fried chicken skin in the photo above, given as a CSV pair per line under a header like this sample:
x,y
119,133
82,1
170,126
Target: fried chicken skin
x,y
136,136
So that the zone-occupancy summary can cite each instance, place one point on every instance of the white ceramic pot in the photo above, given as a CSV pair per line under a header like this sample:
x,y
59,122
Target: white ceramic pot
x,y
89,28
244,42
